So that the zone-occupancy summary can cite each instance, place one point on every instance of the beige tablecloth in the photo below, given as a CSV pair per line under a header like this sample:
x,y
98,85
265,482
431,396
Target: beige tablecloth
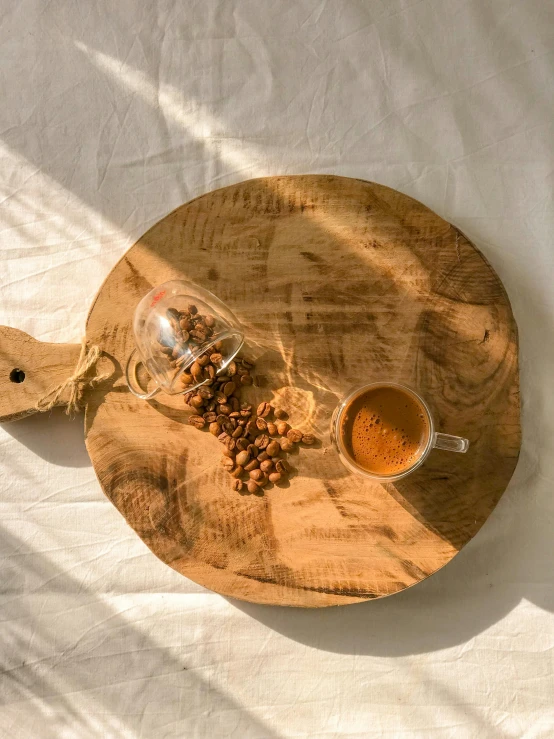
x,y
111,115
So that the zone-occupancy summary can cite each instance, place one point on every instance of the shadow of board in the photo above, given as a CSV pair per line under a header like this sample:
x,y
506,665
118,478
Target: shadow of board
x,y
53,437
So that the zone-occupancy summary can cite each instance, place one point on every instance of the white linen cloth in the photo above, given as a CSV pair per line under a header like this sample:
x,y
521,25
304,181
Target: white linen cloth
x,y
113,114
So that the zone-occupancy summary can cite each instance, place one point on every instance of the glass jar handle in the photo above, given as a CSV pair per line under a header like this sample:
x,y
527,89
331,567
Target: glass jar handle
x,y
132,382
451,443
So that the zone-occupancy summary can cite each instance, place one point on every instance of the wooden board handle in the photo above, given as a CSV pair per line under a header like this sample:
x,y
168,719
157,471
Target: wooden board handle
x,y
29,369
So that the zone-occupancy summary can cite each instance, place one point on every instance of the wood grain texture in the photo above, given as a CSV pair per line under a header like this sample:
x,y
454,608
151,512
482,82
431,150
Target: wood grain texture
x,y
44,366
337,282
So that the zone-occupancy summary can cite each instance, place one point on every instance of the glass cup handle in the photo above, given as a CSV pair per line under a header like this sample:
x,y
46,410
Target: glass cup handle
x,y
451,443
132,382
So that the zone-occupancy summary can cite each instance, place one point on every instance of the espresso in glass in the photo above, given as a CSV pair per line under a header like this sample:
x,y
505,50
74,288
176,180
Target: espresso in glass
x,y
385,430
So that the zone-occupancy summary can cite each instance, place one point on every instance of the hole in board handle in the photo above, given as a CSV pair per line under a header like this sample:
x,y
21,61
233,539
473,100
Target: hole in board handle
x,y
17,375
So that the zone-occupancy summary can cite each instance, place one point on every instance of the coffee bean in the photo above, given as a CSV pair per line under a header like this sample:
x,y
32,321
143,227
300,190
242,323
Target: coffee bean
x,y
216,358
196,371
237,485
225,408
252,450
235,404
271,429
229,388
188,396
246,363
246,380
252,465
227,426
228,452
215,428
266,466
273,448
192,309
263,481
205,392
261,424
218,346
308,439
282,428
251,428
294,435
230,443
238,471
186,379
220,396
262,456
243,458
196,401
210,417
261,441
253,487
275,477
286,445
228,463
209,320
203,360
211,406
242,444
281,414
232,369
237,433
264,409
222,436
197,421
210,371
282,466
256,474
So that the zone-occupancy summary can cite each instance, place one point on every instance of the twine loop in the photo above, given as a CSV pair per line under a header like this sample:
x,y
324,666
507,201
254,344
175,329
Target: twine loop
x,y
75,384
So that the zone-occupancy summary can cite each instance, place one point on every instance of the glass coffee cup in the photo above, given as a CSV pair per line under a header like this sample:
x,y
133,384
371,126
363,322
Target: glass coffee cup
x,y
384,431
174,325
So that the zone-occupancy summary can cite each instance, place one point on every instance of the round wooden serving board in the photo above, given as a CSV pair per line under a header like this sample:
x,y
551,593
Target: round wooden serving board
x,y
337,282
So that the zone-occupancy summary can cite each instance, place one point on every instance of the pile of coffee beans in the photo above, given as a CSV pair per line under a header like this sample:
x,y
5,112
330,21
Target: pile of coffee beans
x,y
255,441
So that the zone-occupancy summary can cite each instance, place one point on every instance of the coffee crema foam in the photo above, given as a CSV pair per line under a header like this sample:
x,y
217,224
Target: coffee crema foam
x,y
385,430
